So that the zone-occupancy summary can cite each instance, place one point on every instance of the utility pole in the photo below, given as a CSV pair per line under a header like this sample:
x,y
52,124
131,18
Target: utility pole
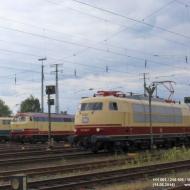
x,y
144,78
42,83
150,91
49,91
56,87
144,83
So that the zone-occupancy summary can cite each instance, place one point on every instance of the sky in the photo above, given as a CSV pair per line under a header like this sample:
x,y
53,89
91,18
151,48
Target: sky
x,y
98,45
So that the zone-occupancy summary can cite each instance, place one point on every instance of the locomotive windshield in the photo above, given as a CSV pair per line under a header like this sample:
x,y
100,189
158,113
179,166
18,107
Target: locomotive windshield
x,y
19,118
91,106
6,122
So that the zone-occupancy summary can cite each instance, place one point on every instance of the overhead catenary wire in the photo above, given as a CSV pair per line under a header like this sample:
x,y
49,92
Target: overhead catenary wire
x,y
21,22
132,19
183,3
35,34
117,53
81,51
125,27
159,9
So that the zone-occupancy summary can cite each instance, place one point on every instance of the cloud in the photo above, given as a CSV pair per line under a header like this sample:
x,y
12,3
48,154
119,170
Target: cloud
x,y
87,41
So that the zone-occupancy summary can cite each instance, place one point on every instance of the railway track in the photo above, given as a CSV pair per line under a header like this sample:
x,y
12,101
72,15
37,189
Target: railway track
x,y
105,161
97,178
45,158
15,148
82,166
182,187
23,161
22,153
24,158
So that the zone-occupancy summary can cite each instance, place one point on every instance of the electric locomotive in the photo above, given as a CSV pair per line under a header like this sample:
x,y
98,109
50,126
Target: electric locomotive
x,y
33,127
5,127
113,120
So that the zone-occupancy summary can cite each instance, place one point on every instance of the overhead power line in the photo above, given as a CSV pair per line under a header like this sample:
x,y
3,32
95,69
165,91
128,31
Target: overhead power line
x,y
34,34
132,19
111,21
182,3
158,10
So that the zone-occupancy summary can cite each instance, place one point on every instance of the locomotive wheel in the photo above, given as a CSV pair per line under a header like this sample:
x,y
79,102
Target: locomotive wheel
x,y
94,150
118,147
95,147
109,147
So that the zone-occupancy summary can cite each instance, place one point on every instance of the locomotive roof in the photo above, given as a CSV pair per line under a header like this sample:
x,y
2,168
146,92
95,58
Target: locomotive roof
x,y
45,115
7,118
134,99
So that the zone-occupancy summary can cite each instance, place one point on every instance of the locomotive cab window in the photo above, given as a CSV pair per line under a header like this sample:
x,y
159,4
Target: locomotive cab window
x,y
113,106
19,119
91,106
97,106
6,122
82,107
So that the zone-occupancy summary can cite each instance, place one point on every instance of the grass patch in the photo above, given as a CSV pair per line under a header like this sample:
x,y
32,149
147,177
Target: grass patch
x,y
156,157
147,158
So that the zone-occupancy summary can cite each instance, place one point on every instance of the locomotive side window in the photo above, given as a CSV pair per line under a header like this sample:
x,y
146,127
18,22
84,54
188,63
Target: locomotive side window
x,y
113,106
91,106
19,118
6,122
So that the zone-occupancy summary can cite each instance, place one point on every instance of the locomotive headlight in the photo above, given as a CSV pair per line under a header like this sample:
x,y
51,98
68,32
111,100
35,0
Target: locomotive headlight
x,y
97,129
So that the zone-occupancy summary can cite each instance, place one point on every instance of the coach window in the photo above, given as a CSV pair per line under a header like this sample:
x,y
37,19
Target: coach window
x,y
113,106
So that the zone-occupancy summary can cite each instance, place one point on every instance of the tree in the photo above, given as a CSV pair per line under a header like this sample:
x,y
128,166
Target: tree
x,y
30,104
4,109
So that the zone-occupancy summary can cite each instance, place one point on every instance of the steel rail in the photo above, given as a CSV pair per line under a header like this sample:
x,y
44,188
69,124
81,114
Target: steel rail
x,y
181,187
72,167
49,158
7,149
18,154
82,166
45,158
98,178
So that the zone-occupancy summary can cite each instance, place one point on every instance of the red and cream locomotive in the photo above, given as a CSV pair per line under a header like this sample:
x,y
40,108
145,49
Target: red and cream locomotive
x,y
112,120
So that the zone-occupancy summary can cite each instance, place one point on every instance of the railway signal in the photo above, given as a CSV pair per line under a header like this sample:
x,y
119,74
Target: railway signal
x,y
49,91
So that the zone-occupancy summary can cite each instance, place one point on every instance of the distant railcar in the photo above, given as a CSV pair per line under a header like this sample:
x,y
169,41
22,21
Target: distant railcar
x,y
5,127
112,120
33,127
